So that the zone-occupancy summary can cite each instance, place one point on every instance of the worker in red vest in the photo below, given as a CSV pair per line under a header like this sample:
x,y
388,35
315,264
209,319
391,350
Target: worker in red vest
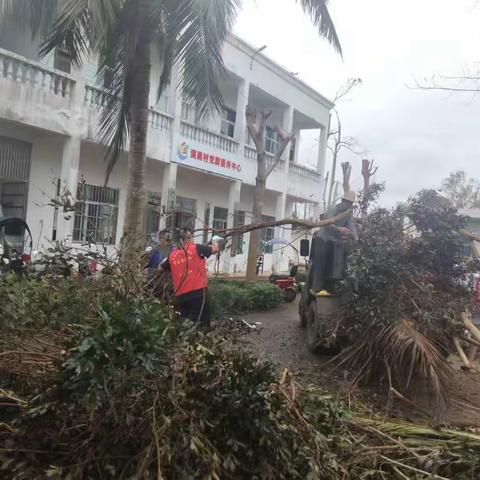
x,y
187,264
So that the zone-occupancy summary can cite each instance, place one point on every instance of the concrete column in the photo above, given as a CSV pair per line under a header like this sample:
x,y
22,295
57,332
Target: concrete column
x,y
297,146
322,150
243,92
169,185
233,202
63,221
288,127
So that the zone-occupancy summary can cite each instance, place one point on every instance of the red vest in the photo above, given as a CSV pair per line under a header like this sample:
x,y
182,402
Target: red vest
x,y
188,269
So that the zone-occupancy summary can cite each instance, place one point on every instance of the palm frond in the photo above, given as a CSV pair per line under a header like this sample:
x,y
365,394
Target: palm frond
x,y
81,26
402,351
116,71
202,27
166,46
318,11
38,14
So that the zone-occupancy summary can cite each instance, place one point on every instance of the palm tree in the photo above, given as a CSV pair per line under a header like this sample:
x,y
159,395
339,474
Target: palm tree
x,y
123,33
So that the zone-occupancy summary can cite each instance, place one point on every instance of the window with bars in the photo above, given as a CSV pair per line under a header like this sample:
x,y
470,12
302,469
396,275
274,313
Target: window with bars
x,y
220,219
183,215
153,212
96,215
237,240
13,199
229,118
268,233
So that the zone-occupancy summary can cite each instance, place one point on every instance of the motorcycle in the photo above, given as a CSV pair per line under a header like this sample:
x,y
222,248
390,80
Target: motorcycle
x,y
15,245
287,283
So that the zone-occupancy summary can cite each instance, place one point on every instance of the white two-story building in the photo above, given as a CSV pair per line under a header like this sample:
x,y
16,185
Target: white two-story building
x,y
204,170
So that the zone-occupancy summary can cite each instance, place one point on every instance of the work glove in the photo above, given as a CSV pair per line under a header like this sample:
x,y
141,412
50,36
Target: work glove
x,y
217,239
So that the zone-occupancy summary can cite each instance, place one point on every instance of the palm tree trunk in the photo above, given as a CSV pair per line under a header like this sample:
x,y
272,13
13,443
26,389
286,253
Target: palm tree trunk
x,y
258,199
133,225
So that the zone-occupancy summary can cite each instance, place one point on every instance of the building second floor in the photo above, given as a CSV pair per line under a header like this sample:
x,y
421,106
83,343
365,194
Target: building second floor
x,y
49,94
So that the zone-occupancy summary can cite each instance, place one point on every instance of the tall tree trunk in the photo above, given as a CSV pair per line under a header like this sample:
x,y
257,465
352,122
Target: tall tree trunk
x,y
133,225
258,199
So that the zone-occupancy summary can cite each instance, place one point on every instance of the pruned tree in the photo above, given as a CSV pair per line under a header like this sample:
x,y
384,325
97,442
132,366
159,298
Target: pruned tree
x,y
336,141
256,124
368,171
346,173
462,191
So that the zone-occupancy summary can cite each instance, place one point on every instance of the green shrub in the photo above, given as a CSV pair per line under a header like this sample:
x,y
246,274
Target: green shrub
x,y
32,302
235,297
130,400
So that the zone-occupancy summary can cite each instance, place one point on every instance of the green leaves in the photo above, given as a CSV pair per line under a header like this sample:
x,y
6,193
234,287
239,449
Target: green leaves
x,y
318,11
229,298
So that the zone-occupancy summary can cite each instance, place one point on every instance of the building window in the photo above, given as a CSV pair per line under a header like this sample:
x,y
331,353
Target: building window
x,y
96,215
220,219
206,222
268,234
293,143
13,199
62,60
237,240
188,113
271,140
163,102
183,215
229,118
466,250
153,212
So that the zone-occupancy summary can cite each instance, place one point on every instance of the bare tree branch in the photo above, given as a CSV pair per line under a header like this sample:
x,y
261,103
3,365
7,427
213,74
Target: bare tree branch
x,y
286,221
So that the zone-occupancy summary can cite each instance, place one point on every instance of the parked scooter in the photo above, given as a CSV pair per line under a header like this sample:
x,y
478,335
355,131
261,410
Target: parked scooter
x,y
287,283
15,245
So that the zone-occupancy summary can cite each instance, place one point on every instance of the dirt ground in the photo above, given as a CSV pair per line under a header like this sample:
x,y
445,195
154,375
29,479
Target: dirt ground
x,y
278,337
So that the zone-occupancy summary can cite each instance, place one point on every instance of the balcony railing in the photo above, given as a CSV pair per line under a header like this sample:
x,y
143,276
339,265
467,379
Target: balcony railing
x,y
207,137
35,75
159,120
97,98
251,154
305,172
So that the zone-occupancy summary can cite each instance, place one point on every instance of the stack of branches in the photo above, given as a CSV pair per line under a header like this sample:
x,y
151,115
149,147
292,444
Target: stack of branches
x,y
138,395
413,295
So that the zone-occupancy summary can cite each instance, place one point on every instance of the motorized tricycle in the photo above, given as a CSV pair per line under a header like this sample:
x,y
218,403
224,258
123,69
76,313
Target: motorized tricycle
x,y
323,304
287,283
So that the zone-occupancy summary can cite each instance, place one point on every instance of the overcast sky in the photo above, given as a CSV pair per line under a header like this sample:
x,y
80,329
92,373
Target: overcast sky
x,y
416,137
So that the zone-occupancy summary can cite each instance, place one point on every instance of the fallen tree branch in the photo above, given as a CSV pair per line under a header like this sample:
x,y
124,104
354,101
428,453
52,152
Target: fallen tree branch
x,y
474,331
461,354
286,221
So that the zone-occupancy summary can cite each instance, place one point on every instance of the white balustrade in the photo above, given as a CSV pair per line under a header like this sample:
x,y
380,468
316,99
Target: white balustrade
x,y
159,120
303,171
35,75
207,137
96,97
251,154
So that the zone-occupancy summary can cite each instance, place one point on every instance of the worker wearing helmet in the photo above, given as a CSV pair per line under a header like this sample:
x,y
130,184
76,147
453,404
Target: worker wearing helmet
x,y
187,264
